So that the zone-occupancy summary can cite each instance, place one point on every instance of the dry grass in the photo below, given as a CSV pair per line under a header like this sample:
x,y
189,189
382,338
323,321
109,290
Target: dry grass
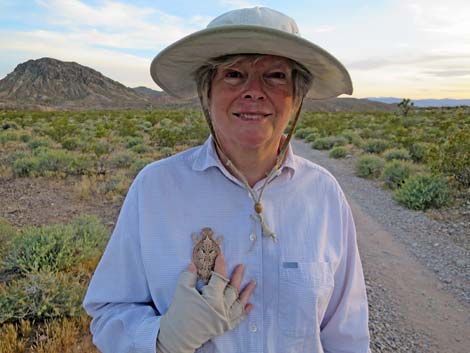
x,y
86,188
58,336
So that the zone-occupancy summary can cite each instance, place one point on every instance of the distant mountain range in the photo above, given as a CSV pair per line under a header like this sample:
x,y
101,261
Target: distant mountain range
x,y
51,84
424,102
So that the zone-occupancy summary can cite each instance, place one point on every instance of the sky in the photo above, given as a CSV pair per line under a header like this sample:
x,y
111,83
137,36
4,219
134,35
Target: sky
x,y
392,48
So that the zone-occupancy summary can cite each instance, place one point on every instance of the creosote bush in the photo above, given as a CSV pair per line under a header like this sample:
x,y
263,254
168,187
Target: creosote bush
x,y
326,143
54,248
338,152
421,192
396,153
375,145
369,165
395,173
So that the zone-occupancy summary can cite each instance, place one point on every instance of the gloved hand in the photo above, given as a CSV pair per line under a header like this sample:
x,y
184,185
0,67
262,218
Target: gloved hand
x,y
193,318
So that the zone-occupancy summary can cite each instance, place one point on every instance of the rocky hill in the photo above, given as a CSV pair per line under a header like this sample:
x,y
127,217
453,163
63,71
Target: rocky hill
x,y
51,84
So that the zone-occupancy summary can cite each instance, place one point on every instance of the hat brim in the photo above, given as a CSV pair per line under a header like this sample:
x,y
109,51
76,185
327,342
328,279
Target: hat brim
x,y
173,68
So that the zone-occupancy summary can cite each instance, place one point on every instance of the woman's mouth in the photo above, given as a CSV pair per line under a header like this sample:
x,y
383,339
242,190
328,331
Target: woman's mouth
x,y
251,116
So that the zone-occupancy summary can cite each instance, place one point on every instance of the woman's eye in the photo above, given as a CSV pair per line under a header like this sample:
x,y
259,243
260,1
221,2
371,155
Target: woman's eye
x,y
277,74
233,74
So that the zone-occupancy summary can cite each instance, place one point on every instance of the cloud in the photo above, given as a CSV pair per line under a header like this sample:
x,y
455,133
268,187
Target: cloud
x,y
237,4
448,73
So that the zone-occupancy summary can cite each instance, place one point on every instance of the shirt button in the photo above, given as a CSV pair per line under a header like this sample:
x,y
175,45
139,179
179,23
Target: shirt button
x,y
253,328
252,236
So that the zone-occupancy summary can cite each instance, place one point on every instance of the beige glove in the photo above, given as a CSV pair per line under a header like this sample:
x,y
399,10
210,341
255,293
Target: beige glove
x,y
195,318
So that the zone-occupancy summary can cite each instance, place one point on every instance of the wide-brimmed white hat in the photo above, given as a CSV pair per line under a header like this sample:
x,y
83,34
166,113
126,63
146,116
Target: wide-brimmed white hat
x,y
257,30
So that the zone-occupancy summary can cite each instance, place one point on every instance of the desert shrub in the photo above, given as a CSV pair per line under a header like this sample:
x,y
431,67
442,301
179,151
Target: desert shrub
x,y
25,166
418,151
141,148
39,296
12,157
395,173
123,160
7,232
303,132
311,137
118,184
55,161
7,136
375,145
352,137
338,152
71,143
396,153
137,166
453,158
369,165
134,141
101,148
25,138
421,192
326,143
36,143
54,248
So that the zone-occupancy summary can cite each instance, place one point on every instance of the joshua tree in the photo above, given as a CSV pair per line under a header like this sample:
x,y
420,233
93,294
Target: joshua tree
x,y
405,105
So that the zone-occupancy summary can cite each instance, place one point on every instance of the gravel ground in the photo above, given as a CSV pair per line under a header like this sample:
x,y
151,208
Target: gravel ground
x,y
429,241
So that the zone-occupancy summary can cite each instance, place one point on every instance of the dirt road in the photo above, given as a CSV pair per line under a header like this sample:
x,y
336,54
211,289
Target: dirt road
x,y
409,309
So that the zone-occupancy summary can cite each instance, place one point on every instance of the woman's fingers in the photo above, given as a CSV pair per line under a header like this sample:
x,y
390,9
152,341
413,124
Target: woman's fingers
x,y
219,266
237,276
192,267
246,294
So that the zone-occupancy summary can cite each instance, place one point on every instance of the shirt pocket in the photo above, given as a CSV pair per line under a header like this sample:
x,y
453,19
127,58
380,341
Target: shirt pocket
x,y
305,289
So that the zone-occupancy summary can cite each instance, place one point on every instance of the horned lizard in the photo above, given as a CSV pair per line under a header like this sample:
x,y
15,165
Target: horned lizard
x,y
205,251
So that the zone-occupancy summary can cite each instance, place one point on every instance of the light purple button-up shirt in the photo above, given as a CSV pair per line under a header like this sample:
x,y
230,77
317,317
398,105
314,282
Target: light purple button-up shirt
x,y
310,294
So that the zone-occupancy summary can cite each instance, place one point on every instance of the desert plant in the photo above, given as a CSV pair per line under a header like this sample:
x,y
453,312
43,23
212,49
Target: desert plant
x,y
338,152
419,151
395,173
421,192
55,248
375,145
405,106
25,166
453,158
326,143
39,296
369,165
396,153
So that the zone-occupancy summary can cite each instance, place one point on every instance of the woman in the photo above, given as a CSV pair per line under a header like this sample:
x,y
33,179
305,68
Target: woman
x,y
288,234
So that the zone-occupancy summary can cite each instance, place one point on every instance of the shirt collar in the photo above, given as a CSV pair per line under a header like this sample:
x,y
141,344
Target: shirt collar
x,y
207,157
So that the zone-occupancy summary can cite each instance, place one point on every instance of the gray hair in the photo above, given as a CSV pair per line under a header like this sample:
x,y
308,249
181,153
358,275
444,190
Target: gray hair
x,y
302,78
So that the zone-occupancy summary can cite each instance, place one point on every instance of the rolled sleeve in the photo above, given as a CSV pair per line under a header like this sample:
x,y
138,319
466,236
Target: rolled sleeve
x,y
118,298
345,325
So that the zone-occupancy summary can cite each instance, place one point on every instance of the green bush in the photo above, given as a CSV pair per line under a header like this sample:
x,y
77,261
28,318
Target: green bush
x,y
352,137
71,143
453,158
375,145
137,166
395,173
326,143
421,192
7,233
338,152
6,136
123,160
303,132
134,141
311,137
418,151
25,166
55,248
369,165
39,296
396,153
141,149
36,143
25,138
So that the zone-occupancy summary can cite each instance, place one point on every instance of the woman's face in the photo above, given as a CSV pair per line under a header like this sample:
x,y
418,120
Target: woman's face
x,y
251,103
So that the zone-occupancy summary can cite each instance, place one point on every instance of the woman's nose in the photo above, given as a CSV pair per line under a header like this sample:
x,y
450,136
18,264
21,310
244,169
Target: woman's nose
x,y
254,89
